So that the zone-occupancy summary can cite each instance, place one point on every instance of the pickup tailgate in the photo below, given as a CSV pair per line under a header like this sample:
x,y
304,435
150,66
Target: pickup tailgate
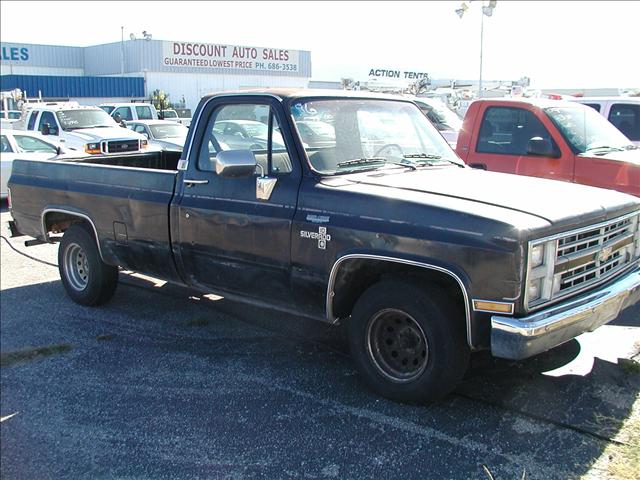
x,y
128,207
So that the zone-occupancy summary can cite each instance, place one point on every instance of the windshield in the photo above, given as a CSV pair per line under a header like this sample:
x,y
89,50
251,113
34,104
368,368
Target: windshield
x,y
369,134
585,129
84,118
169,114
107,108
442,117
168,131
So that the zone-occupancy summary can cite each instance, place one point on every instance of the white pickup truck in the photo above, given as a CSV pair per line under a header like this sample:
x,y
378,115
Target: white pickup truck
x,y
83,128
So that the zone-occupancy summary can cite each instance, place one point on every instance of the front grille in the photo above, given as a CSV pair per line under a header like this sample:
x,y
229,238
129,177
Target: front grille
x,y
584,257
121,146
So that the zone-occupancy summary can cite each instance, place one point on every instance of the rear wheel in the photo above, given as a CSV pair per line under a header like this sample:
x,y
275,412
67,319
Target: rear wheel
x,y
408,341
86,278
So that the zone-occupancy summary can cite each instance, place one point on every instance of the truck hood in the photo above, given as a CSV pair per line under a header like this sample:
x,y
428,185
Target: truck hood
x,y
105,133
559,203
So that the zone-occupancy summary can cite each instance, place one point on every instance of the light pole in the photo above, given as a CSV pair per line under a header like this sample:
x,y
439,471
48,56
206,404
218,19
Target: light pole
x,y
122,51
488,11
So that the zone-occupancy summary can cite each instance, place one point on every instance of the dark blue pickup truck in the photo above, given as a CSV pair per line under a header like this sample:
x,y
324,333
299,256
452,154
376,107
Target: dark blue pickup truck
x,y
345,208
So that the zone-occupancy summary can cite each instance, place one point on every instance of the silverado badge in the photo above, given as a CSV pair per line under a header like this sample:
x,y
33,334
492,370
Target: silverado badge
x,y
321,235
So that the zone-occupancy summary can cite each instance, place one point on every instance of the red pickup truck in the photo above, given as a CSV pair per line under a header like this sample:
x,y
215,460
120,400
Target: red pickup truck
x,y
551,139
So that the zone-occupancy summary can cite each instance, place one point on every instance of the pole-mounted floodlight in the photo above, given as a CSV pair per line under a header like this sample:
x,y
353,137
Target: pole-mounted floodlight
x,y
488,11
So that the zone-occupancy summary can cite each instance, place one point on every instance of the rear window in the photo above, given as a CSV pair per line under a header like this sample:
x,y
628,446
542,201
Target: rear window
x,y
626,118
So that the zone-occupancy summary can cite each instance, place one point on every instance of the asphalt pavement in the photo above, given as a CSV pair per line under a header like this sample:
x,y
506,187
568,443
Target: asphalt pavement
x,y
166,383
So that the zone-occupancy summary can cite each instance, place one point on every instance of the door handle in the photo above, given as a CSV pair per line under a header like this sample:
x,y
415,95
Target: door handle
x,y
195,182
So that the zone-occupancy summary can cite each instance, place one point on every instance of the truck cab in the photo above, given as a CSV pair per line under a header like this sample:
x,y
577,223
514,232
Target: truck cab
x,y
550,139
81,128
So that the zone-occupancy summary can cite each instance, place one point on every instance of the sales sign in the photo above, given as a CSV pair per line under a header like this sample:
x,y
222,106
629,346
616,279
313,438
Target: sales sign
x,y
229,57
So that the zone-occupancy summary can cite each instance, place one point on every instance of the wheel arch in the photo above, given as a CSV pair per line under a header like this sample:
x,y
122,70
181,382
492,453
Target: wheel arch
x,y
369,268
59,219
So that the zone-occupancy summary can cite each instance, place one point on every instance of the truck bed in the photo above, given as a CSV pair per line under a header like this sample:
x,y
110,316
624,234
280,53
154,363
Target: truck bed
x,y
126,199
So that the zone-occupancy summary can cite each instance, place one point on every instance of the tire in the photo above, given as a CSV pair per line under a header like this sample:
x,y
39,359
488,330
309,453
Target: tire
x,y
408,341
86,278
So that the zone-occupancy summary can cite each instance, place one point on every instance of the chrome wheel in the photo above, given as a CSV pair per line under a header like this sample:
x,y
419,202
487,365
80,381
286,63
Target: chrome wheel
x,y
76,267
397,345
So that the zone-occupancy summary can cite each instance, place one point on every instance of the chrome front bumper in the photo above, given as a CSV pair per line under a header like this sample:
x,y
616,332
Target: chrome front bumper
x,y
517,338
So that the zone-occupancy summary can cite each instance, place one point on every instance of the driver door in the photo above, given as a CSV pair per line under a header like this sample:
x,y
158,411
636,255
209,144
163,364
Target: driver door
x,y
229,239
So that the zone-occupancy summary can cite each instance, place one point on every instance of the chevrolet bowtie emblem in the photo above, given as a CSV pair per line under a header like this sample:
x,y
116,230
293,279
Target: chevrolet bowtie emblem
x,y
605,254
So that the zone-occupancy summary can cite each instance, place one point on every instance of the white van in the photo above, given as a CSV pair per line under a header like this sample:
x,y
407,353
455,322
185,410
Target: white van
x,y
81,128
130,111
623,112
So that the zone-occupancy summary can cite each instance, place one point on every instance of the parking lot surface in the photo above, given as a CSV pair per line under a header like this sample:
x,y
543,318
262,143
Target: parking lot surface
x,y
164,382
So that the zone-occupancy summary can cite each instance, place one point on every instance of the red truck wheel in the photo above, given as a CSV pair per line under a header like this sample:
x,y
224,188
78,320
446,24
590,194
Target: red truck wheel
x,y
408,341
86,278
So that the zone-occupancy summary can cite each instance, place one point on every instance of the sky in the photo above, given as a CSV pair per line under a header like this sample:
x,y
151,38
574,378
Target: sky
x,y
574,44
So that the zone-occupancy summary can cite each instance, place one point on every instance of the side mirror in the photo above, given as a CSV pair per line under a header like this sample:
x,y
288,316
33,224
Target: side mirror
x,y
117,117
235,163
541,147
45,130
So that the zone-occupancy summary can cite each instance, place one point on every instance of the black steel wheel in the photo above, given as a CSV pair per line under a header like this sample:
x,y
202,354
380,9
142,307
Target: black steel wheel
x,y
86,278
408,341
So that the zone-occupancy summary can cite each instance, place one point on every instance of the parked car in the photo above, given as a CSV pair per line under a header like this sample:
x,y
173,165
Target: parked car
x,y
24,145
80,128
553,139
164,134
422,258
317,133
623,112
244,134
130,111
442,117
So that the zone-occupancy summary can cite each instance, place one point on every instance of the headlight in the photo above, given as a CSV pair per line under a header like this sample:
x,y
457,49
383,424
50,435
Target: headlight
x,y
144,143
537,255
534,289
92,148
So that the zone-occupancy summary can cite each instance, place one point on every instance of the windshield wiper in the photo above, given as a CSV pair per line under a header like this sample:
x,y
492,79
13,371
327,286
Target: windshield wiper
x,y
374,161
429,159
606,147
362,161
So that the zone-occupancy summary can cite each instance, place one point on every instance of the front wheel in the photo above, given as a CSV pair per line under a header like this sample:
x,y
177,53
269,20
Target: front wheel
x,y
408,341
86,278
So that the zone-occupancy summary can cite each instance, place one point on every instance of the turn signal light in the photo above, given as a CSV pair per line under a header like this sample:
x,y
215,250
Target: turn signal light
x,y
92,148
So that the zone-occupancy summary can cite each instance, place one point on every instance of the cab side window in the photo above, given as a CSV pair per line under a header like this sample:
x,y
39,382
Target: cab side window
x,y
508,130
32,120
50,119
245,127
124,112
